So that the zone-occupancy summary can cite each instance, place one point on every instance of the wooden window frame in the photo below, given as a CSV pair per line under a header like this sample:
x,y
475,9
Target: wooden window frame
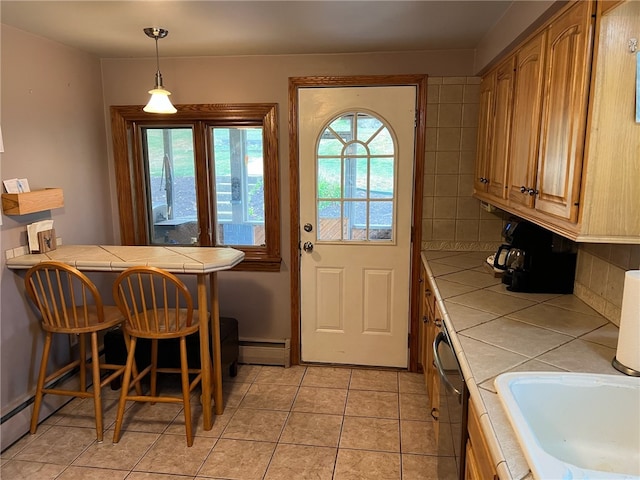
x,y
129,172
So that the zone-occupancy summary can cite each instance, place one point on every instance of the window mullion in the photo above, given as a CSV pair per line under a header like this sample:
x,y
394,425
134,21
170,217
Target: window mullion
x,y
205,186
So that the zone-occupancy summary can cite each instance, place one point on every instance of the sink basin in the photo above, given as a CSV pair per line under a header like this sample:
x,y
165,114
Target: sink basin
x,y
575,425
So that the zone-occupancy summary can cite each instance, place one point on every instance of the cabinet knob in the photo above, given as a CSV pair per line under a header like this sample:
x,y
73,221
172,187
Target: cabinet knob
x,y
523,189
532,192
437,322
435,413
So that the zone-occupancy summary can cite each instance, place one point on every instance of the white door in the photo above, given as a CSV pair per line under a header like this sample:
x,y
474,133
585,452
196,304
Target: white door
x,y
356,151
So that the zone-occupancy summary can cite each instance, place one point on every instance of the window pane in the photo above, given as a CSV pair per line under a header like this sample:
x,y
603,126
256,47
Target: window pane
x,y
367,126
171,187
329,221
381,143
382,178
239,185
356,177
329,178
354,220
330,144
343,127
381,220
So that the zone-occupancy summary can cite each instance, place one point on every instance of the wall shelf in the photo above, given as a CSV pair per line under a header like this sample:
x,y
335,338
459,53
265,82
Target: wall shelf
x,y
31,202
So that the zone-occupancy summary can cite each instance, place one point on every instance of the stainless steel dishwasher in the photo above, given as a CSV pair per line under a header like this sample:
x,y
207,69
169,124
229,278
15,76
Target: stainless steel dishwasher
x,y
452,418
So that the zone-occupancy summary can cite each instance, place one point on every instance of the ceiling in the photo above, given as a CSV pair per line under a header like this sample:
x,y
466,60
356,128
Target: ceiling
x,y
113,29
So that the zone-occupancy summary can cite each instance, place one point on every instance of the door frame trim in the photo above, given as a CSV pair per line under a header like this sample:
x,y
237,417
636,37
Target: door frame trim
x,y
296,83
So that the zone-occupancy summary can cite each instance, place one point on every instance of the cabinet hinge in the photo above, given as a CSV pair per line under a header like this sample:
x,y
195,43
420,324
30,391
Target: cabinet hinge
x,y
408,340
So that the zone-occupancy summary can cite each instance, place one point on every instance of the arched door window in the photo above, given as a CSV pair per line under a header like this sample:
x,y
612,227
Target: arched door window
x,y
355,188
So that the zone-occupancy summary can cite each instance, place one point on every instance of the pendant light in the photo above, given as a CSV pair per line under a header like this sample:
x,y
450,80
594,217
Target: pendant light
x,y
159,101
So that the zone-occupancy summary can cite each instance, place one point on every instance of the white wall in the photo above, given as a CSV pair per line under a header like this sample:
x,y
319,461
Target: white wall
x,y
54,135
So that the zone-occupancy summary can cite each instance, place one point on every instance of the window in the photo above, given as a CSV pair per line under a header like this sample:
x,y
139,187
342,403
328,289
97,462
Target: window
x,y
355,163
207,175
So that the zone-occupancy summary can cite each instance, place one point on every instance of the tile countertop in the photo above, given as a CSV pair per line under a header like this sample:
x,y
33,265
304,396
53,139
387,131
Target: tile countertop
x,y
497,331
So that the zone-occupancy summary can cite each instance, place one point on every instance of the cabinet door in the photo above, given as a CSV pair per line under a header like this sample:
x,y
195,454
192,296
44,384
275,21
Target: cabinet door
x,y
428,300
422,321
564,112
479,464
501,129
525,127
485,122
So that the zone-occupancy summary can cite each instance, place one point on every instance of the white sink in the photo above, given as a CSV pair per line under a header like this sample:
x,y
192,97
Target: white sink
x,y
575,425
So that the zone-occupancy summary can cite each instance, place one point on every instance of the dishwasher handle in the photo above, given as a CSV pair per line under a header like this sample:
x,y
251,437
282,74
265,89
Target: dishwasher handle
x,y
441,337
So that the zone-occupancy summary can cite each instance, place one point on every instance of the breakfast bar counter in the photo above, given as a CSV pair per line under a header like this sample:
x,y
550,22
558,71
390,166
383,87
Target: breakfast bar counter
x,y
494,331
200,261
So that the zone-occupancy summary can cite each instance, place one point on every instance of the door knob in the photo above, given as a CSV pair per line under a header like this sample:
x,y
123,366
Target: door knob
x,y
308,227
307,247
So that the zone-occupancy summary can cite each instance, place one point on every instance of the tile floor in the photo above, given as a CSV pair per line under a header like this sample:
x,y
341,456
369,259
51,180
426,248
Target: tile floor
x,y
297,423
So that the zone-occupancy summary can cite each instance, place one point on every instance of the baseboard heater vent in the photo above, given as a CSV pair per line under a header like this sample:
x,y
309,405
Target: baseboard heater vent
x,y
265,352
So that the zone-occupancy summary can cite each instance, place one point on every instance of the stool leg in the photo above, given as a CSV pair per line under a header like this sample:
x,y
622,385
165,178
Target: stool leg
x,y
184,373
134,368
82,349
154,368
41,377
125,389
97,391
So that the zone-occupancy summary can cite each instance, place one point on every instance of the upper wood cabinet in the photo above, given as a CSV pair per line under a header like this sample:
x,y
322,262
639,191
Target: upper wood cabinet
x,y
610,200
527,103
573,146
496,105
497,174
564,112
485,126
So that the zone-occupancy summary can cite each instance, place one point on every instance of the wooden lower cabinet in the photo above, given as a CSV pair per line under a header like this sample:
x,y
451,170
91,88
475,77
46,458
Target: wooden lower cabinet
x,y
427,331
478,462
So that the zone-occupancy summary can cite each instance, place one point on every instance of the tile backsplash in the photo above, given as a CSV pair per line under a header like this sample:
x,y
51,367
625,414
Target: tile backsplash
x,y
452,219
600,276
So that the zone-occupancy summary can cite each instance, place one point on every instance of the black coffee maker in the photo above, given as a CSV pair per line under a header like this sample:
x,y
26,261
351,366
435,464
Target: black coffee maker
x,y
539,261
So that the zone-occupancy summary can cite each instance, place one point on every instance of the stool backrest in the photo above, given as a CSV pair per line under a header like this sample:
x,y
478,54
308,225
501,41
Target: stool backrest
x,y
154,301
65,297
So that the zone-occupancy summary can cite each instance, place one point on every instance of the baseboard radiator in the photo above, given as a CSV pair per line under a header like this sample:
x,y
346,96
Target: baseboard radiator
x,y
15,423
265,352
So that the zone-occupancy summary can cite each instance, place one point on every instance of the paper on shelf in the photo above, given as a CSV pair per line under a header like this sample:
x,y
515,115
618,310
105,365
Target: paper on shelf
x,y
32,233
16,185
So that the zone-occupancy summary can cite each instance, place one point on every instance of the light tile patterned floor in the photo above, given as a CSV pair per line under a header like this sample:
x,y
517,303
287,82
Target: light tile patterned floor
x,y
297,423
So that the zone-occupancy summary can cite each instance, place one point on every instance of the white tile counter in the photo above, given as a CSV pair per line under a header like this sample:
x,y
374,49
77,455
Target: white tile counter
x,y
495,331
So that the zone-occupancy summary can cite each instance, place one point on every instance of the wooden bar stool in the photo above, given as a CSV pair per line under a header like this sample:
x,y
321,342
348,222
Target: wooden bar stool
x,y
157,306
70,303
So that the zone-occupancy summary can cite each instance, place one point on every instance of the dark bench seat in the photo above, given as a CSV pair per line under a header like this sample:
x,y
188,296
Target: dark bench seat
x,y
169,351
